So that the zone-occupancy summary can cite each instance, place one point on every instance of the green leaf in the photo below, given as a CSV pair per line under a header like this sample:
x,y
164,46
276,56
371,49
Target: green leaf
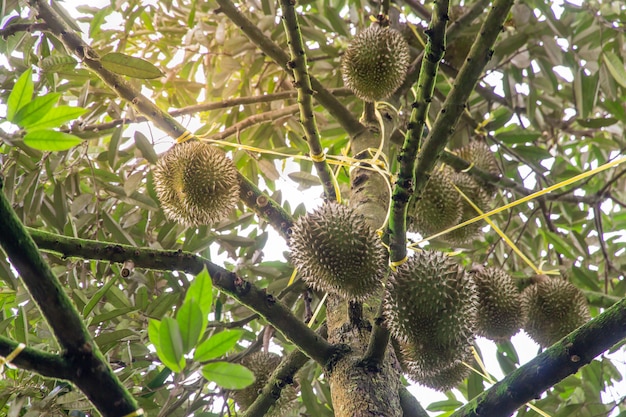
x,y
305,179
559,244
104,317
171,344
517,136
98,296
130,66
217,345
58,63
163,304
35,110
51,140
21,94
201,290
154,335
57,116
597,122
146,147
228,375
191,323
447,405
21,326
615,67
113,337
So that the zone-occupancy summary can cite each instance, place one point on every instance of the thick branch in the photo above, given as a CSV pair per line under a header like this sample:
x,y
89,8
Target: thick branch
x,y
403,189
557,362
298,64
265,207
246,293
43,363
455,103
410,406
91,372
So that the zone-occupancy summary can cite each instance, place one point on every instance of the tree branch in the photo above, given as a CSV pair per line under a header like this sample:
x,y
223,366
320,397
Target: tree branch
x,y
455,102
252,120
554,364
246,293
298,64
410,406
403,188
204,107
44,363
90,371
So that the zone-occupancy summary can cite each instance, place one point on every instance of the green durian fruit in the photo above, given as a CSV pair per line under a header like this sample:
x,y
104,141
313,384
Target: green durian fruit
x,y
375,63
196,183
430,299
335,250
262,365
500,310
473,190
435,366
428,357
554,308
442,379
479,154
439,207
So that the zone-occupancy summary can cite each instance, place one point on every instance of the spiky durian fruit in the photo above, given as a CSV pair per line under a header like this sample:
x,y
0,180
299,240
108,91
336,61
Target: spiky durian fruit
x,y
500,310
375,63
442,379
262,365
439,206
430,299
336,250
473,190
554,308
479,154
435,366
427,358
196,183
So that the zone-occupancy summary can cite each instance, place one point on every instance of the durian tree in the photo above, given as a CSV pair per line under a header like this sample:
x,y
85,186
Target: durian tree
x,y
290,208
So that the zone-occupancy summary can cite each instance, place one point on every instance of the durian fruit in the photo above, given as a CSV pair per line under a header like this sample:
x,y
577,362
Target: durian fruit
x,y
375,63
335,250
196,183
262,364
431,300
479,154
554,308
439,207
500,310
442,379
435,366
476,193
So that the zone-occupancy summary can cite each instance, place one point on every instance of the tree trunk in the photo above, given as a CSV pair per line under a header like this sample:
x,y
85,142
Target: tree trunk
x,y
357,389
